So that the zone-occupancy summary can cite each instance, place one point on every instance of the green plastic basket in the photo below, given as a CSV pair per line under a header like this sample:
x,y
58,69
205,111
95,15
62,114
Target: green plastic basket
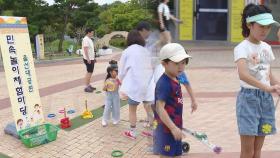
x,y
38,135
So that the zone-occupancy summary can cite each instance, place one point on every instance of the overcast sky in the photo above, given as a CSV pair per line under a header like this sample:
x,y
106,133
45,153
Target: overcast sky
x,y
100,2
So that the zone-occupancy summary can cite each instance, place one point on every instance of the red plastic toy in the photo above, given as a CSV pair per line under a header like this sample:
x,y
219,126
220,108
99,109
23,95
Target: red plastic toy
x,y
65,122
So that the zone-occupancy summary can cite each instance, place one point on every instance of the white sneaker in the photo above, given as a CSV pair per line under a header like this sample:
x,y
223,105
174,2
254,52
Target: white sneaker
x,y
115,122
104,123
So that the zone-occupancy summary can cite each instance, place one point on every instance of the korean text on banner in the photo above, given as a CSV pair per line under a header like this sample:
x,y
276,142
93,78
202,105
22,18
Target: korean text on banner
x,y
20,72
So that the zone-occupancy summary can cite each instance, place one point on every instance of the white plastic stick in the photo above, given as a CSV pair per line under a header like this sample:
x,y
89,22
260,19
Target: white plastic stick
x,y
277,102
205,141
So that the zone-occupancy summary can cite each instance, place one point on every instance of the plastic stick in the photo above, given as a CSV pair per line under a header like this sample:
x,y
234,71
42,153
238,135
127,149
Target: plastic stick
x,y
277,102
203,138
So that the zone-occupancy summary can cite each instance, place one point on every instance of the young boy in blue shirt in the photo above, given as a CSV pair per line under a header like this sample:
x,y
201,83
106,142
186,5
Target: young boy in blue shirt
x,y
169,103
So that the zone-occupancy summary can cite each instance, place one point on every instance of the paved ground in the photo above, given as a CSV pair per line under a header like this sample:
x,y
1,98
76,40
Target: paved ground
x,y
213,78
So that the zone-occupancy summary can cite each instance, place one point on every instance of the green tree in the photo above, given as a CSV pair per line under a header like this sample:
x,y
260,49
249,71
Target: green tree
x,y
106,18
36,12
6,5
64,10
49,36
84,17
71,16
123,16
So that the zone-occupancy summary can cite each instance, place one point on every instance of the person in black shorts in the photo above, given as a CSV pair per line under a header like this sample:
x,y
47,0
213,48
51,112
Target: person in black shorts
x,y
164,21
88,58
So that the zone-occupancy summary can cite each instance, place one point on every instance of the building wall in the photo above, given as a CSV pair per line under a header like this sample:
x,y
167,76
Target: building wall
x,y
186,8
186,30
235,11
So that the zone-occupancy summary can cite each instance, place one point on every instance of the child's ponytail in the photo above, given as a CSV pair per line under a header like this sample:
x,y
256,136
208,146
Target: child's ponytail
x,y
109,70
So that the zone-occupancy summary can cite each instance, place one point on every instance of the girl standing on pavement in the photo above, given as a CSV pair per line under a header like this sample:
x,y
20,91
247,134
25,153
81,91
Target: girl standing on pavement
x,y
112,100
255,108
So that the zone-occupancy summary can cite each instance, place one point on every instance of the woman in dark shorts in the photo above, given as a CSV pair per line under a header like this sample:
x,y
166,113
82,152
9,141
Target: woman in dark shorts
x,y
164,20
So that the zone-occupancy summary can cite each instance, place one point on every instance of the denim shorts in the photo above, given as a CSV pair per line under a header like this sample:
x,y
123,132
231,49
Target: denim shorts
x,y
255,112
135,103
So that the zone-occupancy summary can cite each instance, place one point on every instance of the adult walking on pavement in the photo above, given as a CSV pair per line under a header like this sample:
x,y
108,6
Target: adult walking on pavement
x,y
164,20
144,29
88,58
135,73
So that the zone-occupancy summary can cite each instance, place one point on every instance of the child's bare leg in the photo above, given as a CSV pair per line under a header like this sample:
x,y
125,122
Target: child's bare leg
x,y
168,37
247,146
258,146
132,115
161,38
149,112
165,37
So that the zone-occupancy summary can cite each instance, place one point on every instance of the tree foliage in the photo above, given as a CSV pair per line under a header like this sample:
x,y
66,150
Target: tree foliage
x,y
27,8
71,17
123,16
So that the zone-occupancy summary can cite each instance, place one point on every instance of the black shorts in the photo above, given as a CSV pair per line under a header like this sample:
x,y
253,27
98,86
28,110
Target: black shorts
x,y
166,25
90,67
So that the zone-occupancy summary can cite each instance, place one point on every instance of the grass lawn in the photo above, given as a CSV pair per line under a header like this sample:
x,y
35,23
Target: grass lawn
x,y
79,121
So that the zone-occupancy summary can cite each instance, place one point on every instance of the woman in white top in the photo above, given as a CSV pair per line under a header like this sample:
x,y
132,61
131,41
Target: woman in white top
x,y
164,20
135,74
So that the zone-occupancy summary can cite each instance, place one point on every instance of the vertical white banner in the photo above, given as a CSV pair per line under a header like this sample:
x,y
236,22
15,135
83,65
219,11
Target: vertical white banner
x,y
20,72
